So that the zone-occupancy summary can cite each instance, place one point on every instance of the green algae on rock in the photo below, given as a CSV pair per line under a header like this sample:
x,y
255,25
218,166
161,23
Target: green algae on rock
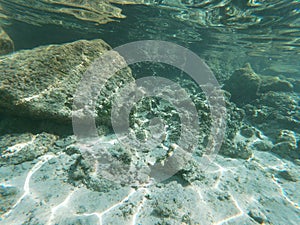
x,y
6,44
19,148
271,83
40,83
243,85
277,115
271,105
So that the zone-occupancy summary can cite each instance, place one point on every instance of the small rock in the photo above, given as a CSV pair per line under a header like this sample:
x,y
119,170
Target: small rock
x,y
297,162
247,132
262,145
240,151
287,175
258,216
285,149
287,136
7,191
296,84
6,44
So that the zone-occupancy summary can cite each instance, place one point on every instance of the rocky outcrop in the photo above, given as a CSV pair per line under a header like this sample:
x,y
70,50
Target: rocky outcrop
x,y
24,147
246,86
40,83
271,104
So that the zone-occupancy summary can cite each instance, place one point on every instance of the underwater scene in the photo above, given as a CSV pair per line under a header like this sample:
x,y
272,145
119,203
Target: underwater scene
x,y
149,112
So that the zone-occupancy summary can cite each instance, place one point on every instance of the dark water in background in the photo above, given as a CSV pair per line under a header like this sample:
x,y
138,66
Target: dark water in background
x,y
266,34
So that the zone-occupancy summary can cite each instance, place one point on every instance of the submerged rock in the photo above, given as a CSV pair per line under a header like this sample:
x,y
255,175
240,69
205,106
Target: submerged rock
x,y
271,105
288,175
19,148
6,44
7,197
246,86
40,83
276,111
276,114
243,85
270,83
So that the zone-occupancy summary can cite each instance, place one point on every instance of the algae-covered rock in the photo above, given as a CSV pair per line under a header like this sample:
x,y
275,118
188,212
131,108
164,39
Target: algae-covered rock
x,y
18,148
247,131
286,149
286,144
6,44
243,85
236,150
277,115
277,109
40,83
270,83
295,83
287,136
271,105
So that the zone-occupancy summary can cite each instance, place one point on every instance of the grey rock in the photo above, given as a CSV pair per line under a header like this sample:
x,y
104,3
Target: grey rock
x,y
228,188
41,83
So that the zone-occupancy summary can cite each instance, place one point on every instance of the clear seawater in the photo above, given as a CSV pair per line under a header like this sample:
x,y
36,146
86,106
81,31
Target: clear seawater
x,y
226,34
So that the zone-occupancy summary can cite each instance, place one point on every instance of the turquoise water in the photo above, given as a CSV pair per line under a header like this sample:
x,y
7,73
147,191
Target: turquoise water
x,y
214,141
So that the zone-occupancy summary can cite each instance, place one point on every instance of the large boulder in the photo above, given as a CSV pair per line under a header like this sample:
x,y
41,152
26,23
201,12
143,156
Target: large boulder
x,y
41,83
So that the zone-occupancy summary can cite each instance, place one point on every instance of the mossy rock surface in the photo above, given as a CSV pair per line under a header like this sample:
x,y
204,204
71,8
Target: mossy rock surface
x,y
243,85
270,83
41,83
